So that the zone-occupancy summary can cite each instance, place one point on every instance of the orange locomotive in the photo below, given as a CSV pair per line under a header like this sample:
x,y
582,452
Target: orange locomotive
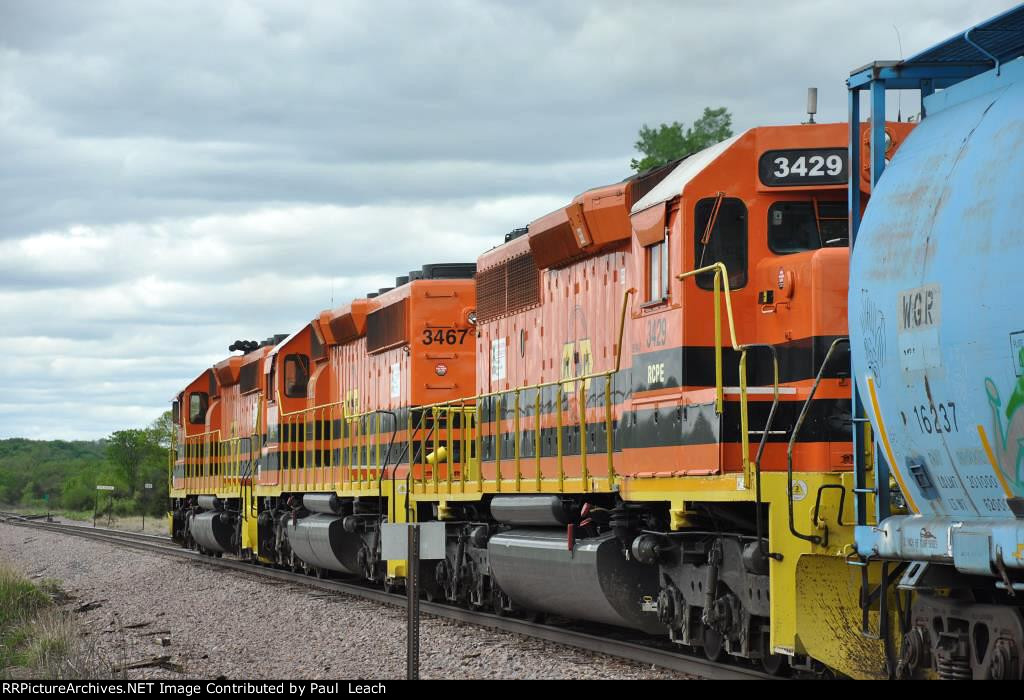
x,y
218,420
550,300
300,434
636,413
651,359
342,470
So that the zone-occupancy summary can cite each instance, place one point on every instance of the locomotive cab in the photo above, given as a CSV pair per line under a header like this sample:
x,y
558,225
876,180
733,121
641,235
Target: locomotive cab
x,y
190,415
768,205
342,389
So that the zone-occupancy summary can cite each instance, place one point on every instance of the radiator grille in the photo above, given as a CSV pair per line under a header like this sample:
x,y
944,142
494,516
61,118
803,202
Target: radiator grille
x,y
507,288
387,327
248,377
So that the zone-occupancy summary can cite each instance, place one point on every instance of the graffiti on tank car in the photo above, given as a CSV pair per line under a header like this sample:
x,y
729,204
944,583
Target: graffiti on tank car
x,y
1017,352
1008,424
872,325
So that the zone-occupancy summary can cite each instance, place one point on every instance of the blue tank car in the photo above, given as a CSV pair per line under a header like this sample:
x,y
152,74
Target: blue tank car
x,y
936,309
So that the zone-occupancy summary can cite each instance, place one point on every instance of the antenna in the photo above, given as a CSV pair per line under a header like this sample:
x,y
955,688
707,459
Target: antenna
x,y
899,93
812,104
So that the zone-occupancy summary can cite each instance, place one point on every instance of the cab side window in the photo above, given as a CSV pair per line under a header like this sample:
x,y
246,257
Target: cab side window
x,y
198,402
296,376
725,241
657,271
794,227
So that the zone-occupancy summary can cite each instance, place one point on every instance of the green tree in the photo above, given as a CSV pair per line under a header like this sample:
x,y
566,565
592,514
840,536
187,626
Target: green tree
x,y
126,450
161,431
670,141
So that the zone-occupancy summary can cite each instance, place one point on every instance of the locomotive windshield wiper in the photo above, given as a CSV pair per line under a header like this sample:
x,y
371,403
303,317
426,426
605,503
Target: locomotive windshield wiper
x,y
709,229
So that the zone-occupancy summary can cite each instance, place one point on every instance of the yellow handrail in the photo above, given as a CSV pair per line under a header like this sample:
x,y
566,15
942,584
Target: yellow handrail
x,y
466,407
196,441
461,404
722,278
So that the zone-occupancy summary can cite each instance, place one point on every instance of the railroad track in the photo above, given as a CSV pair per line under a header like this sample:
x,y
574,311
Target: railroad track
x,y
632,650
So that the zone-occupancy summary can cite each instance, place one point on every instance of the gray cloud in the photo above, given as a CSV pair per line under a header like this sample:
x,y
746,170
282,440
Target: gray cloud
x,y
176,176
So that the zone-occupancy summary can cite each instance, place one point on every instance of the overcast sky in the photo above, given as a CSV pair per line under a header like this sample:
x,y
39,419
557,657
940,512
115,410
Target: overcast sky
x,y
176,175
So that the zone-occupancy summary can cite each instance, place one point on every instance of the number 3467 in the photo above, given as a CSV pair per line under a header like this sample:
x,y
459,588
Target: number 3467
x,y
441,336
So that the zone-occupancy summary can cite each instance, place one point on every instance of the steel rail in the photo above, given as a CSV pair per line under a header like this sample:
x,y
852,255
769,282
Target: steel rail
x,y
629,650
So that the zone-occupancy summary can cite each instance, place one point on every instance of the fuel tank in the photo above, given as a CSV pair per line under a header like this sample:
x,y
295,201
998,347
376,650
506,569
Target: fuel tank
x,y
321,540
212,530
594,581
530,510
936,326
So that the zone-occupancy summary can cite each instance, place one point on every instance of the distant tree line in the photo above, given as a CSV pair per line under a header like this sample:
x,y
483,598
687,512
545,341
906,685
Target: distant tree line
x,y
63,475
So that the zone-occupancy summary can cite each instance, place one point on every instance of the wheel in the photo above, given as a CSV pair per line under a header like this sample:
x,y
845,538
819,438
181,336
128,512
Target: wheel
x,y
499,603
714,650
774,664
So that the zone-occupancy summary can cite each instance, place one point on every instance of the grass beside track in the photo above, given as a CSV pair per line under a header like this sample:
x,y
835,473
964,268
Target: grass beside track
x,y
37,639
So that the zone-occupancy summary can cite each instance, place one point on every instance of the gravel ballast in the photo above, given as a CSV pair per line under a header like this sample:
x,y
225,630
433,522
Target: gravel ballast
x,y
139,608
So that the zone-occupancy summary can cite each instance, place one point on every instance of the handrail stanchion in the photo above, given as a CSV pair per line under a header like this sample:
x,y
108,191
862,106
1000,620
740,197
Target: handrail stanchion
x,y
497,442
435,442
558,438
423,449
479,449
536,434
581,404
371,474
745,420
411,442
449,444
515,436
346,440
608,422
465,420
719,388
